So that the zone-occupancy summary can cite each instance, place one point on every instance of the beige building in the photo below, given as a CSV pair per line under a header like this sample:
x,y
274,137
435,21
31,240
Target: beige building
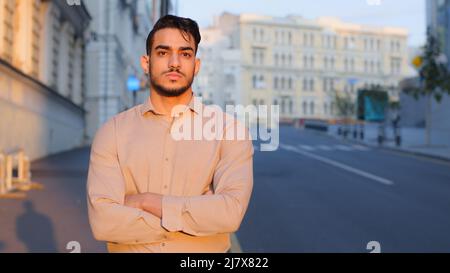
x,y
299,63
41,75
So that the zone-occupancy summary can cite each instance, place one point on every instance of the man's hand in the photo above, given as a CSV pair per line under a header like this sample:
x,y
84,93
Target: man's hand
x,y
150,202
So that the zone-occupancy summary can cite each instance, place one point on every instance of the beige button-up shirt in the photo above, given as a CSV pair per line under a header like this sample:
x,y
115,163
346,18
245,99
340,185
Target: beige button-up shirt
x,y
135,152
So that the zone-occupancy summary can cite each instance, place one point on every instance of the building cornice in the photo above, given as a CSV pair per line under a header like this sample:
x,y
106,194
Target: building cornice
x,y
6,65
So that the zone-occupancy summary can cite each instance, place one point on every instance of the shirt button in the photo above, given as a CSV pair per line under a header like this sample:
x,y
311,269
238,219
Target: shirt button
x,y
167,159
165,186
163,244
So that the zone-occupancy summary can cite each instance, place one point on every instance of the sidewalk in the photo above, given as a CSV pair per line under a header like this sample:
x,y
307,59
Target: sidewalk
x,y
413,141
47,220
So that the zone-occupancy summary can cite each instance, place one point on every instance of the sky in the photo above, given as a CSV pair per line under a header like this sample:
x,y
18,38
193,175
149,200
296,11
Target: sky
x,y
409,14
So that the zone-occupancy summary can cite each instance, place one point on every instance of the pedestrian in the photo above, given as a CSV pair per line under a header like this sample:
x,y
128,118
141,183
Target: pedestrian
x,y
148,191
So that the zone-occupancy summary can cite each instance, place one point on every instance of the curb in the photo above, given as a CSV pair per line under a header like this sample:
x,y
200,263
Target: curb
x,y
400,150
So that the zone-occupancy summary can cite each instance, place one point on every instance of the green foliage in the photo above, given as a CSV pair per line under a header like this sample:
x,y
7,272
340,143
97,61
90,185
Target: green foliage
x,y
434,74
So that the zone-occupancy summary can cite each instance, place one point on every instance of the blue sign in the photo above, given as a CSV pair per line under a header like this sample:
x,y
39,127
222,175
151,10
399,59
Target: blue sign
x,y
133,84
352,81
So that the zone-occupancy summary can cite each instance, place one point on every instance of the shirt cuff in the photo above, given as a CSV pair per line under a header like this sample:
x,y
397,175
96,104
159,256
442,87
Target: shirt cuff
x,y
172,210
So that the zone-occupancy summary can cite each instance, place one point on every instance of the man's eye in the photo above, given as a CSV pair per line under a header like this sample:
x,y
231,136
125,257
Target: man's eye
x,y
185,54
162,53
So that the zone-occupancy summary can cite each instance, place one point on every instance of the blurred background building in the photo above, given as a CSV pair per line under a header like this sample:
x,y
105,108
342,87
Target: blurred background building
x,y
64,66
42,79
297,63
117,36
438,20
413,110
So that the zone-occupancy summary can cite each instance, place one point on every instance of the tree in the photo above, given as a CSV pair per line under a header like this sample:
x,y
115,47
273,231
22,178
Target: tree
x,y
346,107
434,77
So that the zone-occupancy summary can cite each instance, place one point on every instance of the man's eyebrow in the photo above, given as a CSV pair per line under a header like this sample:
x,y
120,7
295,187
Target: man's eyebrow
x,y
165,47
184,48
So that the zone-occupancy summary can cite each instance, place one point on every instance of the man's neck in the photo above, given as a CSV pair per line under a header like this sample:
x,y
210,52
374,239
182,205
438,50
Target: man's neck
x,y
164,104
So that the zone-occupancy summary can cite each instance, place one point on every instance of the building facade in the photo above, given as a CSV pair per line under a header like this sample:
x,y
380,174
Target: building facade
x,y
42,80
300,64
438,20
118,33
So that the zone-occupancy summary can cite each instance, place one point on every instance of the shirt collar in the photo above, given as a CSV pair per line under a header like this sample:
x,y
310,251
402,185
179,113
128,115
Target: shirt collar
x,y
194,105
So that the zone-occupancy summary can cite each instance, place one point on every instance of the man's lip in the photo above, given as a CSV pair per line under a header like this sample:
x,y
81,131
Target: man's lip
x,y
173,75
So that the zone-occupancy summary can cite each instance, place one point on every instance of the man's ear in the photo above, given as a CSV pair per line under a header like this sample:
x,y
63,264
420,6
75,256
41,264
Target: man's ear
x,y
197,66
145,61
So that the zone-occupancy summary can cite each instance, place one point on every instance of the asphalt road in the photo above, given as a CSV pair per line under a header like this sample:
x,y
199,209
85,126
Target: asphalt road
x,y
314,193
317,193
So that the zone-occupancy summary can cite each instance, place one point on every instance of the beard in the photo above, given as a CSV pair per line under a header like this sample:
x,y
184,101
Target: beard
x,y
170,92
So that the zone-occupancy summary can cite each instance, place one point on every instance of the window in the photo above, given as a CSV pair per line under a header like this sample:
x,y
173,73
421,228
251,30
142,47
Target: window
x,y
258,82
276,60
290,106
311,85
289,38
290,84
305,108
311,108
8,11
396,66
275,83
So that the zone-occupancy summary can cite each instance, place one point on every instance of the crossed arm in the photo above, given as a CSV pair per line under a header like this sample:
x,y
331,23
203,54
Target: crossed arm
x,y
145,218
150,202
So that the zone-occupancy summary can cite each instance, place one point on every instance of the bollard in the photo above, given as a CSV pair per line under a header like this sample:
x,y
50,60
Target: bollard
x,y
9,173
2,174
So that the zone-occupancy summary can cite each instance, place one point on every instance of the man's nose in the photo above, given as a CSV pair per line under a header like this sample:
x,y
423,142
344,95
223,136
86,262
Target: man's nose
x,y
174,61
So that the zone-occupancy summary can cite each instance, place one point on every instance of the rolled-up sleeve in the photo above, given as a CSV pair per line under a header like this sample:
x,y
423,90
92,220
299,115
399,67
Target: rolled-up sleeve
x,y
223,211
109,218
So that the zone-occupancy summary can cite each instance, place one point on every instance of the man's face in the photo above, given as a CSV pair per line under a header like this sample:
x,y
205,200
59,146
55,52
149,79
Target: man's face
x,y
172,64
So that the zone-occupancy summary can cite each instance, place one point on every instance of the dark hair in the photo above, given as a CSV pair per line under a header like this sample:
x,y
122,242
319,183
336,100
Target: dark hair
x,y
185,25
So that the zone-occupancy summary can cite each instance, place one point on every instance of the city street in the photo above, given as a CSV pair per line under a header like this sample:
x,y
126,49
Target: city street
x,y
314,194
318,194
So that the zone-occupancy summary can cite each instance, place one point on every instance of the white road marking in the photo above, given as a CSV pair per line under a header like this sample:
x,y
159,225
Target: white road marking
x,y
306,147
325,148
376,178
344,148
360,147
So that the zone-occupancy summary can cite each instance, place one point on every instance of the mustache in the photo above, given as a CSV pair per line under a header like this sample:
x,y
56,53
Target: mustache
x,y
174,70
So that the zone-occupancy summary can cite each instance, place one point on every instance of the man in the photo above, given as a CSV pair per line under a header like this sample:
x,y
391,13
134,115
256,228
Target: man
x,y
151,192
